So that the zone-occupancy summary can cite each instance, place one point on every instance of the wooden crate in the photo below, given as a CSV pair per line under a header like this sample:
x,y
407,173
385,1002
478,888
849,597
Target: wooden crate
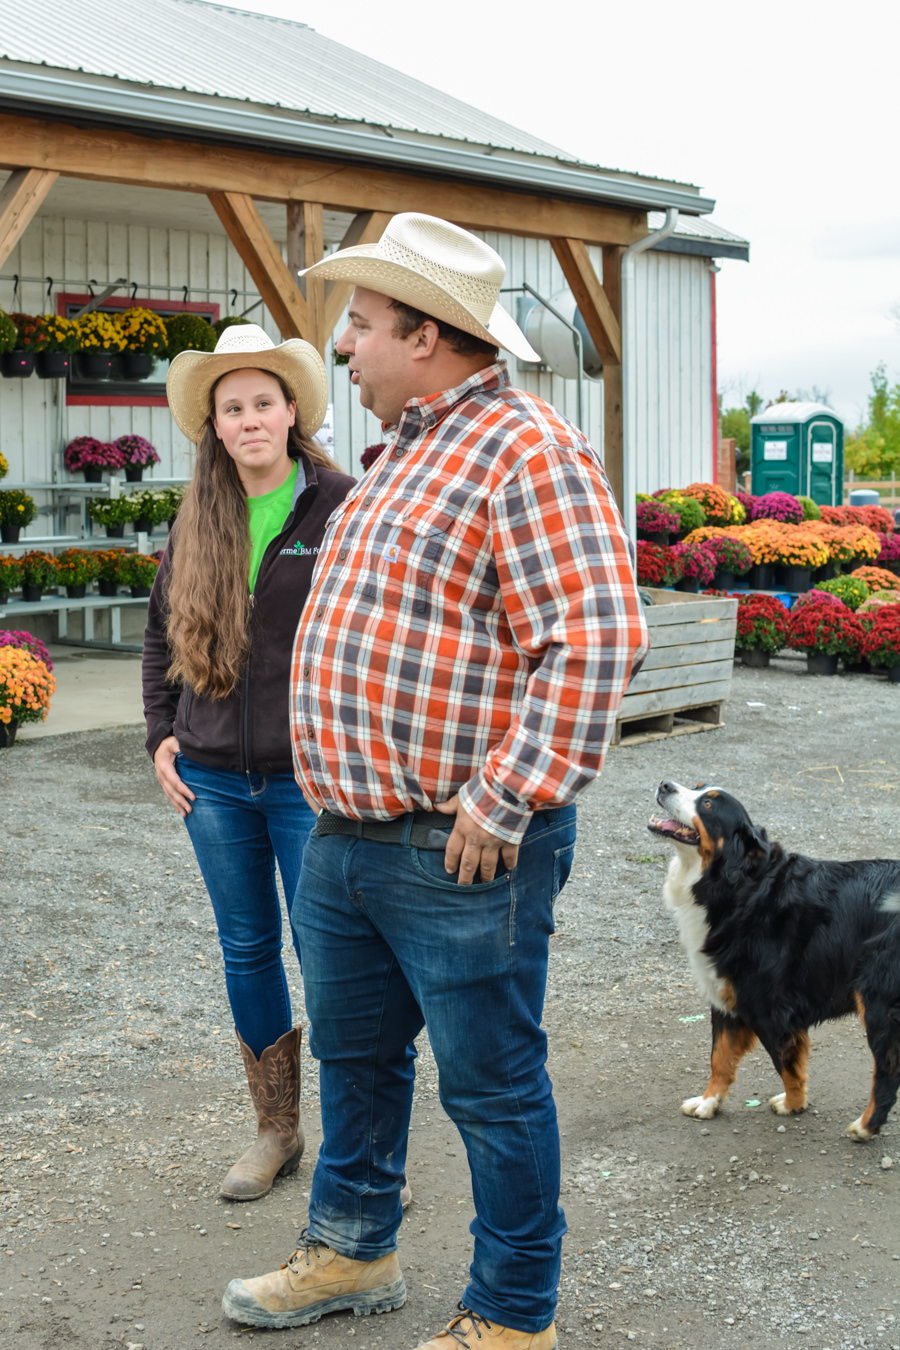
x,y
686,676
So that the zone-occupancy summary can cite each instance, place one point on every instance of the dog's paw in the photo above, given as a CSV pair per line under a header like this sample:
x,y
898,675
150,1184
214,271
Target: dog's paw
x,y
858,1131
779,1105
701,1108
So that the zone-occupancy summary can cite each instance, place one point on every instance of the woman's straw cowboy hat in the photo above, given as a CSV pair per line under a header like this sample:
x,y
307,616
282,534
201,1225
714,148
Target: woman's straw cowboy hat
x,y
242,345
438,268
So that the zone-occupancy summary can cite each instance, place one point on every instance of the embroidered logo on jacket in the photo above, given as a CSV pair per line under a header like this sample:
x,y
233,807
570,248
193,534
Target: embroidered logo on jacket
x,y
299,550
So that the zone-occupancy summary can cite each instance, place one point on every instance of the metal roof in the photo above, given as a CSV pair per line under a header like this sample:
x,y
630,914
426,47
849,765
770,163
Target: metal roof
x,y
207,49
204,69
700,236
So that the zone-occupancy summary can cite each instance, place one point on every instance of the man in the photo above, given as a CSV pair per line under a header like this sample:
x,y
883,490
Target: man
x,y
472,625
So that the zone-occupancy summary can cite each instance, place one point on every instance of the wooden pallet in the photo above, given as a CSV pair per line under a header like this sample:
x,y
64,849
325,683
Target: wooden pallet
x,y
639,728
686,676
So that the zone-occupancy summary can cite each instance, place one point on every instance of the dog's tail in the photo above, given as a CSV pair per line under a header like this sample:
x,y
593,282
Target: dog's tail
x,y
891,902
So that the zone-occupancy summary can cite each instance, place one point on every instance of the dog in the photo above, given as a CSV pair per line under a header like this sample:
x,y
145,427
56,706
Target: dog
x,y
777,943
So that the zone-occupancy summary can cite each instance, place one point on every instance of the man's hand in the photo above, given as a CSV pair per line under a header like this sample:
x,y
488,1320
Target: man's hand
x,y
471,849
178,793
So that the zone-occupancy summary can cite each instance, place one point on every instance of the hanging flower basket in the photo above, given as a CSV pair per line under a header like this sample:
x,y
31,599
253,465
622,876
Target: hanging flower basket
x,y
136,365
94,365
52,365
17,364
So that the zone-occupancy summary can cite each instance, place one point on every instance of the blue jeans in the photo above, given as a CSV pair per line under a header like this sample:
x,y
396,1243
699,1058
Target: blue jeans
x,y
391,942
240,824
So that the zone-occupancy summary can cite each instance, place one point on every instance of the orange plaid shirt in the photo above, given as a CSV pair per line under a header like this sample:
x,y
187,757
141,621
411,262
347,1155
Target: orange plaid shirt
x,y
473,620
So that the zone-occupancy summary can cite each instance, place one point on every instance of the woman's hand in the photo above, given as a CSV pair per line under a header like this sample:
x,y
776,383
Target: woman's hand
x,y
164,763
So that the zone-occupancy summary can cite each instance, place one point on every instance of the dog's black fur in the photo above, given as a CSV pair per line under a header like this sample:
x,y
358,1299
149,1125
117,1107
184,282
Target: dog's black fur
x,y
779,942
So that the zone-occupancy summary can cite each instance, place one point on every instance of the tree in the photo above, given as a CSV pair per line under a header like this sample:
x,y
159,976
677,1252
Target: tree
x,y
874,449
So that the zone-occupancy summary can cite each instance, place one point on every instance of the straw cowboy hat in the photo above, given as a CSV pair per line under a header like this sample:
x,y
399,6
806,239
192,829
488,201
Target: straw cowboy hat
x,y
193,374
438,268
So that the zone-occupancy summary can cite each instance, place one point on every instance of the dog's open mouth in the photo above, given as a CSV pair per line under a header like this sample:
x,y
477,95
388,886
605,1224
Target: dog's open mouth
x,y
673,829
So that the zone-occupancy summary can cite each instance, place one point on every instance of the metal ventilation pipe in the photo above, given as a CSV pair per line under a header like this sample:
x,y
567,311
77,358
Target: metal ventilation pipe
x,y
629,364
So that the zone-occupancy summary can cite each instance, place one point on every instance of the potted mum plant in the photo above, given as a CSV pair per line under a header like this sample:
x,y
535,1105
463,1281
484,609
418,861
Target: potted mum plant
x,y
720,507
138,570
698,565
825,631
108,570
91,457
99,340
39,574
657,565
799,554
688,509
780,506
371,452
656,522
733,559
10,576
113,513
7,333
850,590
31,337
145,340
137,453
889,553
882,642
76,569
173,497
17,510
762,627
189,333
151,509
26,685
877,578
54,360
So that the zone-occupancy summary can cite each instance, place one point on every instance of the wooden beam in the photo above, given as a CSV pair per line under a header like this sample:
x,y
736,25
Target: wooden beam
x,y
104,154
365,228
601,321
613,395
20,197
262,258
313,252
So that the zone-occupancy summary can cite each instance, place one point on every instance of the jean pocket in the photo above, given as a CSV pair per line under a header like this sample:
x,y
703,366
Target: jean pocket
x,y
562,866
429,865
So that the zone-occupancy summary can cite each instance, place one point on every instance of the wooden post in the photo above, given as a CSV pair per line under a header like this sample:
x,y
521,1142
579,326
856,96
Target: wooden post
x,y
262,258
613,389
20,197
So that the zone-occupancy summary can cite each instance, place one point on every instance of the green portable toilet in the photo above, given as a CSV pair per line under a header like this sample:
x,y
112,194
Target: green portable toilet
x,y
798,448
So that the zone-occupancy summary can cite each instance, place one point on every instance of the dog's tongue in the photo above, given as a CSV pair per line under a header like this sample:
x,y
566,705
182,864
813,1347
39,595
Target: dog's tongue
x,y
664,823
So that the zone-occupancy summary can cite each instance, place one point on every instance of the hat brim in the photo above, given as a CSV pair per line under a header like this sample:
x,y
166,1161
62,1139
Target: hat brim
x,y
192,375
361,267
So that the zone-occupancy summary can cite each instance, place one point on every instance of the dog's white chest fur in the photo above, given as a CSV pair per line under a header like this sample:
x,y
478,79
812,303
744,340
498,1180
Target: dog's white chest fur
x,y
678,896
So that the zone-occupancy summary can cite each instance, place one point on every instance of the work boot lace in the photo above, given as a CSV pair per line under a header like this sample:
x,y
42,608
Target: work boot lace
x,y
307,1244
455,1329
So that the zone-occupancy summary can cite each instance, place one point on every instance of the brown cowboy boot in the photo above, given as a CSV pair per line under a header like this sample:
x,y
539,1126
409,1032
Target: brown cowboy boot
x,y
274,1081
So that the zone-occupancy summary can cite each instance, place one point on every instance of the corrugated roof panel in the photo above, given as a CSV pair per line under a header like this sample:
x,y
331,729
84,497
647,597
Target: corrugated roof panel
x,y
206,49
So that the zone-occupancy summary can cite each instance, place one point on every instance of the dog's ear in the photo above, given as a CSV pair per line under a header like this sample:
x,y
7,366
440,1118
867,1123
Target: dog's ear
x,y
742,851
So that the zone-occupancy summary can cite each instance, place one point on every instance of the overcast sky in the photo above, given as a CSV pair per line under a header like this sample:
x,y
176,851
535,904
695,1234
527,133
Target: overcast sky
x,y
784,111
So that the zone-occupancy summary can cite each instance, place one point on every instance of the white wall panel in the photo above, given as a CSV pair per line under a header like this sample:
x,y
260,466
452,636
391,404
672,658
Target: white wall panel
x,y
673,417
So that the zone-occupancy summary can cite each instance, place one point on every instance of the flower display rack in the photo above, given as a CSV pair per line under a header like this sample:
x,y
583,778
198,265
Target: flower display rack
x,y
686,676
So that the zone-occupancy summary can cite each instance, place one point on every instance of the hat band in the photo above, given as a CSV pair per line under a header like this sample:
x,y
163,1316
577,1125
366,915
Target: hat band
x,y
476,294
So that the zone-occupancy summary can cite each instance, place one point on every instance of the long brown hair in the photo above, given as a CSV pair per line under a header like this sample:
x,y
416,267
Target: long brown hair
x,y
208,625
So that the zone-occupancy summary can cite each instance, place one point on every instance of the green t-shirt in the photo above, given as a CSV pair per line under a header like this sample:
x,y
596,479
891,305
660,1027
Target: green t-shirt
x,y
268,514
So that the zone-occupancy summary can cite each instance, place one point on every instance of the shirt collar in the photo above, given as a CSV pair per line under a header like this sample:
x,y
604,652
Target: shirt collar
x,y
428,411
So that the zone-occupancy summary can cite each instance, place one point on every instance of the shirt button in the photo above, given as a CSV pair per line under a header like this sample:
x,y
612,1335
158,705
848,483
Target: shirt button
x,y
320,611
342,555
367,501
306,670
311,733
398,454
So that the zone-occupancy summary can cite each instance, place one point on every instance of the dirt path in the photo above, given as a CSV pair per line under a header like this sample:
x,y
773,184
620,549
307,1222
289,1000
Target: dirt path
x,y
121,1102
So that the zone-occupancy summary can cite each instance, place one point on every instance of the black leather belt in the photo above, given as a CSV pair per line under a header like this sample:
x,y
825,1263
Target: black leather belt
x,y
419,829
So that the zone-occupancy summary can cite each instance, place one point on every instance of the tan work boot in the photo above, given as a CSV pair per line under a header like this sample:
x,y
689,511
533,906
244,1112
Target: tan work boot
x,y
315,1280
468,1328
274,1081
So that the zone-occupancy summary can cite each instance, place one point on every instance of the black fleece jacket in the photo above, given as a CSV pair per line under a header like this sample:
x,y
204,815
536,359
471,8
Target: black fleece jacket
x,y
249,731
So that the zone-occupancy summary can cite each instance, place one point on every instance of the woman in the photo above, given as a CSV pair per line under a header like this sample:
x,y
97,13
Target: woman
x,y
217,653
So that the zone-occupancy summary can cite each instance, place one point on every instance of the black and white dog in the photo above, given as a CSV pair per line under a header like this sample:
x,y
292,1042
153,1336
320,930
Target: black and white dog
x,y
778,942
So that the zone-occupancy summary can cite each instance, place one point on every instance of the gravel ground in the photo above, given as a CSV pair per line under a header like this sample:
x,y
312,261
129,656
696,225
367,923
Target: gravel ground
x,y
122,1102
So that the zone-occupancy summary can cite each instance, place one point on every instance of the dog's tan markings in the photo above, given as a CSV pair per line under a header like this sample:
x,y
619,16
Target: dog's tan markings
x,y
727,994
860,1006
794,1075
707,843
729,1048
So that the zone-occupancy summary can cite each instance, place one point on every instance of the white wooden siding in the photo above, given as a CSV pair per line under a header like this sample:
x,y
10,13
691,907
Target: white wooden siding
x,y
674,413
